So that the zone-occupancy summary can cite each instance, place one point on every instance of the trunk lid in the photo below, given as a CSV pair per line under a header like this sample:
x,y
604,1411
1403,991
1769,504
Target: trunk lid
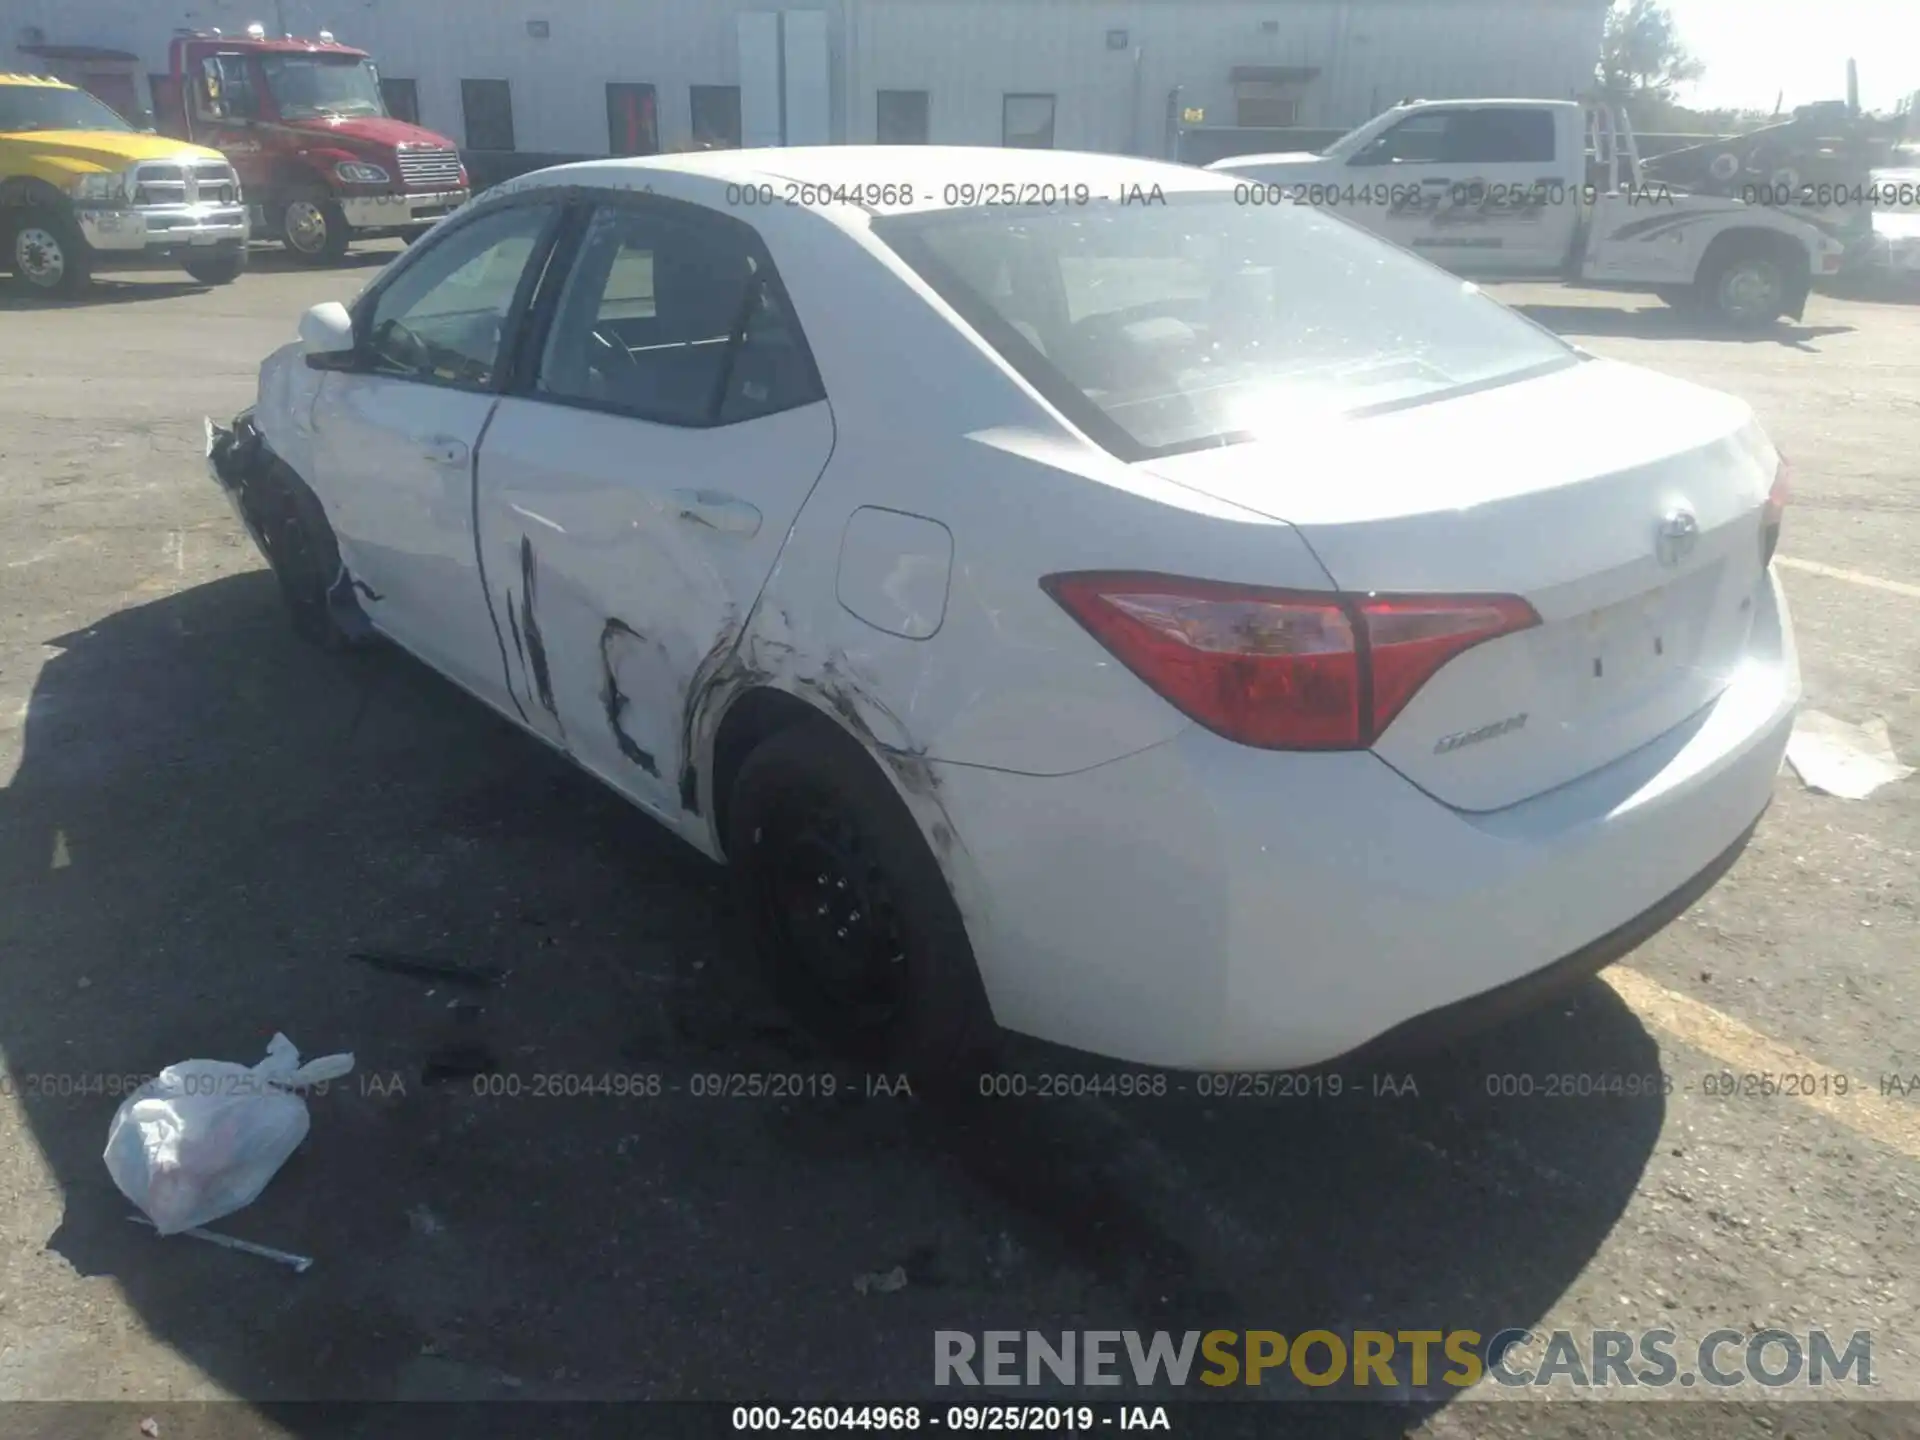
x,y
1623,505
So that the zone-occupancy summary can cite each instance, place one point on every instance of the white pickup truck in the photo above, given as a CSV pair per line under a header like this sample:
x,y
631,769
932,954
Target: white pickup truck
x,y
1550,189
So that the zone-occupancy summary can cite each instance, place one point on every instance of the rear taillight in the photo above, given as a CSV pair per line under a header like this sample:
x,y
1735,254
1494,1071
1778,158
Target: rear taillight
x,y
1282,669
1773,513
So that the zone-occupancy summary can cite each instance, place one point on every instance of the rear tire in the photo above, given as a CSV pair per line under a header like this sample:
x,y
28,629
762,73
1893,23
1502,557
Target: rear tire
x,y
856,926
218,269
47,253
313,228
1744,290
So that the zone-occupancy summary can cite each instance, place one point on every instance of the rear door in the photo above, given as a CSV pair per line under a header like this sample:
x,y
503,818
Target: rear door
x,y
395,436
1479,189
635,491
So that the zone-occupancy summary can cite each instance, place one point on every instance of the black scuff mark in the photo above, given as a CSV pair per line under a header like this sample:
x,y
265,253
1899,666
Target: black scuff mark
x,y
713,679
529,630
519,645
480,564
615,700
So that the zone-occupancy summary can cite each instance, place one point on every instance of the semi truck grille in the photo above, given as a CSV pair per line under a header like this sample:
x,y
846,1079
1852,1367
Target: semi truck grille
x,y
206,182
429,167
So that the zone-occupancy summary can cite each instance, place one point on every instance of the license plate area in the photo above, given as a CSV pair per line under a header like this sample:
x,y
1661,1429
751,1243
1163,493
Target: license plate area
x,y
1635,643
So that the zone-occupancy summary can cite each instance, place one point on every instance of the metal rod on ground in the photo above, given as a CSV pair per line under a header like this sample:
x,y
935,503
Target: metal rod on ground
x,y
300,1263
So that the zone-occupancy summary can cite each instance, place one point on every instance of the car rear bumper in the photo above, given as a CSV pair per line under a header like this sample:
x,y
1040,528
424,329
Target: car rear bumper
x,y
401,212
1208,906
161,235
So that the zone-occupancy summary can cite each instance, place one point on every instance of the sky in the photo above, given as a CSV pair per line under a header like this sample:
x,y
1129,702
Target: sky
x,y
1753,49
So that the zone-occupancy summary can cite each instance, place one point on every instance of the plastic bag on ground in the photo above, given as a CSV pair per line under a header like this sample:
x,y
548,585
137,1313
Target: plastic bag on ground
x,y
202,1138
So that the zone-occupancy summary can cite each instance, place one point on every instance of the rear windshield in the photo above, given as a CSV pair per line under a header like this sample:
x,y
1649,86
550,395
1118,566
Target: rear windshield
x,y
1204,321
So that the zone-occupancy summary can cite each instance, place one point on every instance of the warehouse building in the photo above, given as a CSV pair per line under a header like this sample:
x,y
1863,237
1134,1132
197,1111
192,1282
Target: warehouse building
x,y
630,76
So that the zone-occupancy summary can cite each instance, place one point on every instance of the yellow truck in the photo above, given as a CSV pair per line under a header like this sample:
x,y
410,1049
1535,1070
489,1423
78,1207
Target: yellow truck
x,y
82,191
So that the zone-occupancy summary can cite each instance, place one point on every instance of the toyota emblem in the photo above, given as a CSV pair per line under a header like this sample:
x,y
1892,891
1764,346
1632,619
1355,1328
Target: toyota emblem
x,y
1679,533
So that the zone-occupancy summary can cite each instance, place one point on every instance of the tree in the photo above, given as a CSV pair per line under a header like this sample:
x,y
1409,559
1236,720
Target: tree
x,y
1642,57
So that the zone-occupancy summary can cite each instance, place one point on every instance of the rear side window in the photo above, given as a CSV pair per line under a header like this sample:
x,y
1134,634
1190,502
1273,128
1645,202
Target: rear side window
x,y
1201,322
1501,135
678,321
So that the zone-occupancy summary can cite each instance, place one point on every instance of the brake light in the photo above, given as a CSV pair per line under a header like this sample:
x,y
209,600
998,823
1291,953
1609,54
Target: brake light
x,y
1774,512
1281,669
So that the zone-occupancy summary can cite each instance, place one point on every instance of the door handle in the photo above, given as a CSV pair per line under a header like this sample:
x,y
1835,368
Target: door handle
x,y
717,511
444,451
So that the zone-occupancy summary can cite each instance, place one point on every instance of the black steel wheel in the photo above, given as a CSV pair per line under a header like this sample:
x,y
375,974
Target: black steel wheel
x,y
856,925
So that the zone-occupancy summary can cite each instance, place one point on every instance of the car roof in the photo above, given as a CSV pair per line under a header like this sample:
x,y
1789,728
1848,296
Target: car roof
x,y
897,179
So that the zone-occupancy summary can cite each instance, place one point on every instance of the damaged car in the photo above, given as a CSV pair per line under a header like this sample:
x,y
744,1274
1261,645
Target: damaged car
x,y
1074,603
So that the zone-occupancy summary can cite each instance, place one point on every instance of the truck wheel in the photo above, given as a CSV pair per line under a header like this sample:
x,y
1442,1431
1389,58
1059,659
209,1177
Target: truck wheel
x,y
313,228
855,924
218,269
1745,291
47,253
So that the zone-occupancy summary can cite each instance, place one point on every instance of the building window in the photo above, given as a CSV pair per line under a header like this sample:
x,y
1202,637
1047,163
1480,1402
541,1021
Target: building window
x,y
716,116
488,106
403,99
900,117
633,121
1026,122
1265,112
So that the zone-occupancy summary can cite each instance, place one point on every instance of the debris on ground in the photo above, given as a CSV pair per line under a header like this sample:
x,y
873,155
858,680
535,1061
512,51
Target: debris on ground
x,y
877,1283
1846,761
299,1263
202,1138
423,1221
419,967
460,1061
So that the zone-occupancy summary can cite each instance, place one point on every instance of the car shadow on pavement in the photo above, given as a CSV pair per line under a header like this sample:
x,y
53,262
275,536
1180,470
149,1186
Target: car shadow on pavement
x,y
209,820
1660,322
100,292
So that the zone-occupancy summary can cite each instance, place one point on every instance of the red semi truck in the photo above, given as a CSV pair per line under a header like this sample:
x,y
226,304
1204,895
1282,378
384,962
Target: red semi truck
x,y
304,124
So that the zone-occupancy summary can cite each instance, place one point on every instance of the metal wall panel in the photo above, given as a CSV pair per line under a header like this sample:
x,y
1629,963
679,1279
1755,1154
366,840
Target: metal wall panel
x,y
809,99
966,54
760,118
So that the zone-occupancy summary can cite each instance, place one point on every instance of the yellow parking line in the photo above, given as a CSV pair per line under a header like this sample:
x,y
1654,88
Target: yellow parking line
x,y
1745,1051
1852,577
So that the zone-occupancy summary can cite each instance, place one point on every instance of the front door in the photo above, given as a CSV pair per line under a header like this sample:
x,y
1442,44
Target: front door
x,y
1474,188
396,437
224,105
632,503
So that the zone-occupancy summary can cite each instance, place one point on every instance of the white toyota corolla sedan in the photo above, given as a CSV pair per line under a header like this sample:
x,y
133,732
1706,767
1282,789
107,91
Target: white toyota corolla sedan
x,y
1074,602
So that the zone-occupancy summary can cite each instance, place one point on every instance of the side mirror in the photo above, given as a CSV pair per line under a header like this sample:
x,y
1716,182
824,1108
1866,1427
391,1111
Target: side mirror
x,y
326,335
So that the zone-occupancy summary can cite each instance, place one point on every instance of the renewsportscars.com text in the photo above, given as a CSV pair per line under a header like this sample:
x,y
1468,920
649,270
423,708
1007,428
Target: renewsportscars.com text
x,y
1377,1361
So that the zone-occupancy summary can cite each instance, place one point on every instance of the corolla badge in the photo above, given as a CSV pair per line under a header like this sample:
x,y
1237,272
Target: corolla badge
x,y
1463,738
1679,532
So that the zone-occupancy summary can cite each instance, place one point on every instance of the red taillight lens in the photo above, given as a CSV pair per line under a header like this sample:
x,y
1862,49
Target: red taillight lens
x,y
1281,669
1411,637
1774,512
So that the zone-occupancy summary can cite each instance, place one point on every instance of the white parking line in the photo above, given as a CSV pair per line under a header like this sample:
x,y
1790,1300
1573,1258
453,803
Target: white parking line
x,y
1852,577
